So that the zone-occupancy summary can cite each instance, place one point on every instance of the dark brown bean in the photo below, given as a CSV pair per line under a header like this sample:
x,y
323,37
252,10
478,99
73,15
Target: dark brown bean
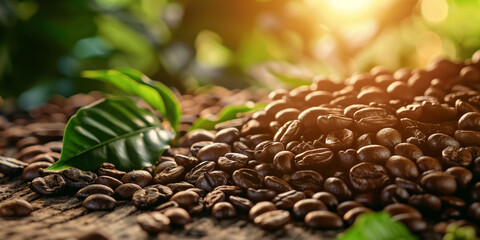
x,y
199,170
78,179
185,198
33,170
15,208
151,196
169,174
327,198
373,153
304,206
400,208
474,211
427,202
286,200
393,194
454,156
223,210
126,190
411,221
213,151
49,185
241,204
388,137
153,222
314,159
232,161
227,135
260,208
11,166
323,220
272,219
195,136
439,141
140,177
93,189
210,180
403,167
306,180
338,188
99,202
111,182
276,184
247,178
368,176
283,161
426,163
462,175
178,216
439,182
351,215
260,195
214,197
408,150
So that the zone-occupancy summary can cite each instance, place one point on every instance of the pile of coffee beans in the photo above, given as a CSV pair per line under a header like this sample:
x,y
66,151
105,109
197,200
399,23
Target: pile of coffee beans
x,y
405,142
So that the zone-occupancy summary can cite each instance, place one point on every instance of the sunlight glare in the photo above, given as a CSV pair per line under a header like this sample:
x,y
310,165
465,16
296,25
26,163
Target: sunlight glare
x,y
350,6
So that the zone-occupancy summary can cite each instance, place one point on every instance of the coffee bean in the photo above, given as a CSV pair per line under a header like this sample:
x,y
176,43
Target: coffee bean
x,y
223,210
308,118
389,137
337,187
166,206
427,202
199,170
140,177
227,135
33,170
304,206
260,195
314,159
347,158
328,123
393,194
266,151
452,201
283,161
475,192
323,220
78,179
462,175
214,197
26,142
232,161
15,208
400,208
469,121
337,140
344,207
230,189
411,221
403,167
247,178
365,140
272,219
286,200
439,141
11,166
30,152
93,189
108,169
369,199
438,182
180,186
373,153
195,148
327,198
168,175
213,151
408,150
241,204
242,148
368,176
410,186
426,163
185,198
108,181
150,196
99,202
372,119
48,185
178,216
195,136
210,180
276,184
126,190
153,222
468,137
260,208
454,156
474,211
183,160
306,180
351,215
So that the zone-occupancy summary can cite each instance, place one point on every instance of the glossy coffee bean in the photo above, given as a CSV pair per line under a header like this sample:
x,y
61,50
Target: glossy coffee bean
x,y
151,196
462,175
195,136
439,141
328,123
232,161
260,208
283,161
210,180
15,208
276,184
327,198
400,208
169,175
286,200
347,158
108,181
260,195
93,189
323,220
344,207
454,156
223,210
11,166
290,131
369,199
408,150
474,211
389,137
373,153
240,203
475,192
314,159
185,198
403,167
272,219
227,135
368,176
351,215
195,148
126,190
178,216
99,202
468,137
33,170
199,170
426,202
304,206
469,121
213,151
49,185
438,182
140,177
372,119
108,169
214,197
338,188
306,180
153,222
393,194
266,151
180,186
247,178
426,163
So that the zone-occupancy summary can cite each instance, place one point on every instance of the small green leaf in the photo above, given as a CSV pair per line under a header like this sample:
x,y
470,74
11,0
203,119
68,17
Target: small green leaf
x,y
227,113
292,81
376,226
113,130
154,93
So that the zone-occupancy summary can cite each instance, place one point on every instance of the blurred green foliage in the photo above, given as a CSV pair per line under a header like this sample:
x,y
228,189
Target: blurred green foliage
x,y
44,45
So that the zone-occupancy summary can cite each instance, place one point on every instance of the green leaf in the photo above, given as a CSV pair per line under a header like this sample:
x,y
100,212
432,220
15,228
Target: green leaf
x,y
227,113
113,130
134,82
376,226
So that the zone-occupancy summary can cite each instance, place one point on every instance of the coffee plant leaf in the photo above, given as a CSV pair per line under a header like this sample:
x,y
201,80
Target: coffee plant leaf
x,y
112,130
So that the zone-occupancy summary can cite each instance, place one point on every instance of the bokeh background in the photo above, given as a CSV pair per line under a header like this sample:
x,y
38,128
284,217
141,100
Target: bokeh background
x,y
186,44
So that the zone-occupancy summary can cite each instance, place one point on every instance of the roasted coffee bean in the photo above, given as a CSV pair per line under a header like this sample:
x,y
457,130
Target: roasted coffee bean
x,y
369,199
427,202
260,195
317,98
306,180
276,184
241,204
403,167
195,148
11,166
372,119
452,201
260,208
168,175
329,123
150,196
408,150
426,163
126,190
185,161
166,206
15,208
365,140
304,206
30,152
108,169
48,185
242,148
454,156
469,121
314,159
462,175
230,189
323,220
400,208
389,137
198,171
223,210
308,118
347,158
227,135
337,187
266,151
99,202
140,177
214,197
474,211
438,182
33,170
78,179
153,222
439,141
93,189
344,207
195,136
232,161
26,142
108,181
374,154
213,151
185,198
178,216
247,178
272,219
410,186
413,223
287,114
327,198
368,176
351,215
336,140
468,137
286,200
393,194
283,161
210,180
55,146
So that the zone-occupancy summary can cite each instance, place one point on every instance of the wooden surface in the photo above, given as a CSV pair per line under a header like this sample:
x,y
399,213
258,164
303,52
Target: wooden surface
x,y
63,217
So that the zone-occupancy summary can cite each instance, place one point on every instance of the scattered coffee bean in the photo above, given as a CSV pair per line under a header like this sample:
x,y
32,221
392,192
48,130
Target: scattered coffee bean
x,y
153,222
223,210
323,220
15,208
126,190
178,216
99,202
93,189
